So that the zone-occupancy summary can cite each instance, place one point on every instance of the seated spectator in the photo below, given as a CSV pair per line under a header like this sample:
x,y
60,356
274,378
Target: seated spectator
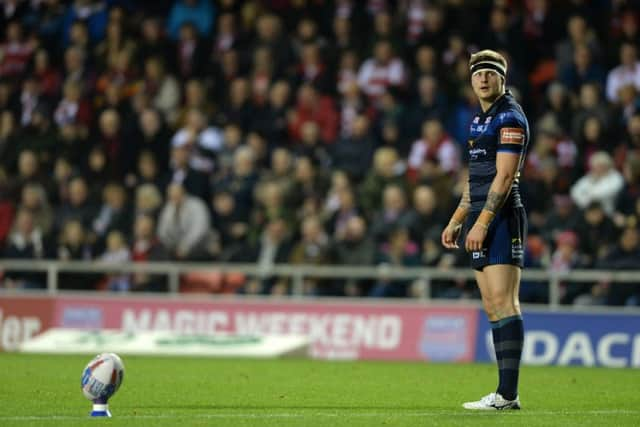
x,y
336,224
398,251
313,248
147,201
601,184
628,72
184,225
181,172
26,241
381,71
16,51
199,12
426,218
162,89
597,233
314,107
202,141
116,252
353,154
387,169
435,149
273,247
354,247
34,200
233,230
241,181
146,246
77,207
73,246
113,215
394,212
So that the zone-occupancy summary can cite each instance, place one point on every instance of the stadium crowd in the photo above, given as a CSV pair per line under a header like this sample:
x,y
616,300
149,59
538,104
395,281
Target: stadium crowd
x,y
309,131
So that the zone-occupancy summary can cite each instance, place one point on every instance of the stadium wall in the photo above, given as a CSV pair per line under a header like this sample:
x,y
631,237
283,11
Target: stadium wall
x,y
339,329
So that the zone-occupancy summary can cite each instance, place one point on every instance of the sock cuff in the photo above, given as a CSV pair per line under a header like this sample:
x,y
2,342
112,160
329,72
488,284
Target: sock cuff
x,y
505,321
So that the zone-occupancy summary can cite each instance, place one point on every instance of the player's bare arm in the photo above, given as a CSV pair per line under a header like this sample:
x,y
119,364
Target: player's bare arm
x,y
452,230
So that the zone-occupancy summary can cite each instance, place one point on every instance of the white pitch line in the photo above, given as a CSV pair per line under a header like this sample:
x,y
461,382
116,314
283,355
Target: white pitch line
x,y
398,414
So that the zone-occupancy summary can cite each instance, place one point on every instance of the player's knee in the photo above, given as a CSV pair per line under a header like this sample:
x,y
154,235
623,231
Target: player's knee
x,y
498,304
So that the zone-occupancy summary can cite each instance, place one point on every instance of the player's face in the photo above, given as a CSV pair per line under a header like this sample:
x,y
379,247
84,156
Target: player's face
x,y
487,85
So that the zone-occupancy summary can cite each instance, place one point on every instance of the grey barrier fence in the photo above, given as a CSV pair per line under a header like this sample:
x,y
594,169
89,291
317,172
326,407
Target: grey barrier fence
x,y
297,273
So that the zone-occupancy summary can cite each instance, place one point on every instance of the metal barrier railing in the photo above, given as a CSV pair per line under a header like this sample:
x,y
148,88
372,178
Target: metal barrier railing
x,y
297,273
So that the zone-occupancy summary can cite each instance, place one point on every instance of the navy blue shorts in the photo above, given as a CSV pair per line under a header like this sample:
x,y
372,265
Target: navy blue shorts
x,y
505,239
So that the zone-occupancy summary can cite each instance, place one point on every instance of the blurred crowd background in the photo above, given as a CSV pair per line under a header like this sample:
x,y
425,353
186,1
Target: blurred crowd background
x,y
309,132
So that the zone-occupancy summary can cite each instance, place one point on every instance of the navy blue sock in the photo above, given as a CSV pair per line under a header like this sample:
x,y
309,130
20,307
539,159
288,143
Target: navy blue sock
x,y
495,332
510,334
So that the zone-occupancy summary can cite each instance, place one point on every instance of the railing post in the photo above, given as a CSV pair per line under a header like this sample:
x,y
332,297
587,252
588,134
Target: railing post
x,y
424,286
554,291
298,283
52,278
174,280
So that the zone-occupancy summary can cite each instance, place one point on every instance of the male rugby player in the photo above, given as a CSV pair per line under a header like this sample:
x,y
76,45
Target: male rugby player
x,y
495,219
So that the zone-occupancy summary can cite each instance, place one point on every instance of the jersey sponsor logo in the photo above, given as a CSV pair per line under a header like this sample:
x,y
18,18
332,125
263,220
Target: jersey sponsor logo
x,y
512,136
477,152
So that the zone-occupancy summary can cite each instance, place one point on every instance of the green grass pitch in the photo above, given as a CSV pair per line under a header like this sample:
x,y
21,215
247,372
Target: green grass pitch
x,y
39,390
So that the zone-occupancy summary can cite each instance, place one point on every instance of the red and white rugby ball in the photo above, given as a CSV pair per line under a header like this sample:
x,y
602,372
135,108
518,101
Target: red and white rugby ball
x,y
102,377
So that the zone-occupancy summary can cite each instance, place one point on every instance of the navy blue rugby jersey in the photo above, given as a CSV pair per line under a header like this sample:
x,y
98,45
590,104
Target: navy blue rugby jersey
x,y
504,121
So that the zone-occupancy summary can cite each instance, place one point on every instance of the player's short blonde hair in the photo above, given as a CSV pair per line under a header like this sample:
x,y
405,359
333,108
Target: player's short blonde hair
x,y
488,59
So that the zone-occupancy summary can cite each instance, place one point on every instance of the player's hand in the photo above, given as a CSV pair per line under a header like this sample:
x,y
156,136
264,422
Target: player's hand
x,y
475,238
450,235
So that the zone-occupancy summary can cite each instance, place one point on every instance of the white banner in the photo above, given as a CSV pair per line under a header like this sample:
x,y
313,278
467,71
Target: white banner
x,y
76,341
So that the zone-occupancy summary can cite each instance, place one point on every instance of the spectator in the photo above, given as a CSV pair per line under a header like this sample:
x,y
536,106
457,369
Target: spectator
x,y
148,201
26,241
394,213
597,232
15,51
113,215
398,251
162,88
73,246
386,170
78,207
147,247
116,252
601,184
203,141
313,107
273,247
200,13
184,224
313,249
233,230
382,71
34,201
353,154
435,149
354,247
627,73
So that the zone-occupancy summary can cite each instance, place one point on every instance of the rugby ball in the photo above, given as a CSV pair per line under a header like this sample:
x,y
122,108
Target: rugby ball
x,y
102,377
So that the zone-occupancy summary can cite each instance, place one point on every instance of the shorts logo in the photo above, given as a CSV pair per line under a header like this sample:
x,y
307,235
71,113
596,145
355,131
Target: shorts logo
x,y
512,136
517,251
478,254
